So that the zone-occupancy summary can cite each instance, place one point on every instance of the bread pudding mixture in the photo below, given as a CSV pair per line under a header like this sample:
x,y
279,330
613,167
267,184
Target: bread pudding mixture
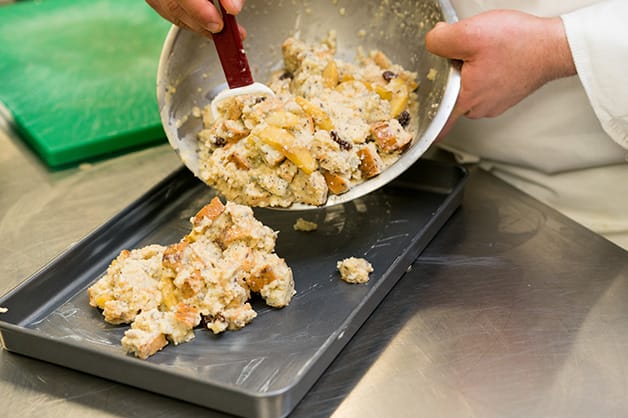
x,y
354,270
205,278
331,126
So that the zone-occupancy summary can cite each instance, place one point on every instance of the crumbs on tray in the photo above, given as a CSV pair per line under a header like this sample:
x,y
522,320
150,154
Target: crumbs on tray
x,y
354,270
305,225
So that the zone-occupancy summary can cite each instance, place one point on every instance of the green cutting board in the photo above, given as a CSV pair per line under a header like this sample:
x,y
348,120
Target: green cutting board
x,y
78,77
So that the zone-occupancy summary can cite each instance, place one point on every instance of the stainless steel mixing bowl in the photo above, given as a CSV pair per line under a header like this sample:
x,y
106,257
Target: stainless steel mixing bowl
x,y
190,75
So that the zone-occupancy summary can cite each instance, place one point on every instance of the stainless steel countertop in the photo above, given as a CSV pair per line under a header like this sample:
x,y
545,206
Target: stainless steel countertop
x,y
512,311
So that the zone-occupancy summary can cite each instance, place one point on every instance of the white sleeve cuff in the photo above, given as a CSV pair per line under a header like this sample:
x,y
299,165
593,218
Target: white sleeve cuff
x,y
598,40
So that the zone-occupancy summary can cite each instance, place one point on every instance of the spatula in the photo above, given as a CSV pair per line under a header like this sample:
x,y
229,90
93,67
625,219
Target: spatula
x,y
234,63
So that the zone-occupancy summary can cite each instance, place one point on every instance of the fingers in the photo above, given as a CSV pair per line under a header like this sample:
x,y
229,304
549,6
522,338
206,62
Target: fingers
x,y
461,108
453,117
449,40
165,13
242,32
197,15
233,7
203,14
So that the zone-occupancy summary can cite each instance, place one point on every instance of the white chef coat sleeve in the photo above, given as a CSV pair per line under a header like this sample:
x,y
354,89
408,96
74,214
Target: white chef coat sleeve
x,y
598,40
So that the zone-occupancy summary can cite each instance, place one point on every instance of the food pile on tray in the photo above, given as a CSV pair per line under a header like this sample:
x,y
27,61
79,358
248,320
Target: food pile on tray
x,y
207,277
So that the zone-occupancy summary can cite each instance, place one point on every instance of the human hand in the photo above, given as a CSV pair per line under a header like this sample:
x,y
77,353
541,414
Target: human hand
x,y
506,55
200,16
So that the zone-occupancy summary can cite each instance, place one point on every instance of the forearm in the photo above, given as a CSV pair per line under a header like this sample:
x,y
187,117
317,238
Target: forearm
x,y
558,61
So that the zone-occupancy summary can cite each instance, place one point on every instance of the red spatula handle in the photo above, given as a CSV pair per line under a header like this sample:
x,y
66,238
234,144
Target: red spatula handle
x,y
231,53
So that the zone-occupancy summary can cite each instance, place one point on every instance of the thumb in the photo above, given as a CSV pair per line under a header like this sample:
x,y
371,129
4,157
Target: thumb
x,y
447,40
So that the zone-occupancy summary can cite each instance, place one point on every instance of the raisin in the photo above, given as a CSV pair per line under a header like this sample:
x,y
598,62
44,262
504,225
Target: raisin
x,y
388,75
208,319
404,118
285,75
220,141
343,144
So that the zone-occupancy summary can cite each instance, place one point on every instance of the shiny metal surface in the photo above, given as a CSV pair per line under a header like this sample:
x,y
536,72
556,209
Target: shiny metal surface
x,y
190,75
512,310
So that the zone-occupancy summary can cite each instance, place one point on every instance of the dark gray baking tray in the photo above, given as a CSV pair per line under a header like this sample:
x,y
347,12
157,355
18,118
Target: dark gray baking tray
x,y
264,369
